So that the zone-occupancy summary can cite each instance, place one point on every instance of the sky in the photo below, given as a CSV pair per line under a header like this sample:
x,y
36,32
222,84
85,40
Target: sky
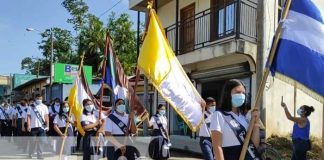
x,y
17,15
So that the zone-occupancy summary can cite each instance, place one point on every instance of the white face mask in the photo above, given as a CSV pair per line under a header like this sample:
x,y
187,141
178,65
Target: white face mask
x,y
66,109
89,108
300,112
121,108
212,109
38,101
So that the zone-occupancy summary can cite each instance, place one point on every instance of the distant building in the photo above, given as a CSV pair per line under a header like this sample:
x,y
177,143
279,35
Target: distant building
x,y
5,88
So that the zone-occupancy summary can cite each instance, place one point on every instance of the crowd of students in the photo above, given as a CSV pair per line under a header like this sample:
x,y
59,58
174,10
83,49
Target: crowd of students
x,y
221,134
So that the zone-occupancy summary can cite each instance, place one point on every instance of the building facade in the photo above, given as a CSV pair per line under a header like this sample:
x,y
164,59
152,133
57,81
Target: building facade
x,y
217,40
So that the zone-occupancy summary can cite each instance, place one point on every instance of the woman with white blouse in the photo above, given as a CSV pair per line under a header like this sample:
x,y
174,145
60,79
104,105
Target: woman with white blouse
x,y
229,124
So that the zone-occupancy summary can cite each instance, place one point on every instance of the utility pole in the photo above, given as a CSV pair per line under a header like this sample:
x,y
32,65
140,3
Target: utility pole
x,y
51,67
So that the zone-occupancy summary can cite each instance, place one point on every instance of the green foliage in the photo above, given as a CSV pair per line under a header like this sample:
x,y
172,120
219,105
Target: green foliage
x,y
78,10
90,39
124,37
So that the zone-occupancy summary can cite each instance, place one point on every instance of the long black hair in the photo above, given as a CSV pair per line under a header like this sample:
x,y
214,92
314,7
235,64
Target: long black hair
x,y
84,102
226,96
159,107
61,112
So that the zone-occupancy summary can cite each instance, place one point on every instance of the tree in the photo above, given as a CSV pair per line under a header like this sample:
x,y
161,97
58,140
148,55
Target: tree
x,y
62,51
92,43
78,9
62,45
124,38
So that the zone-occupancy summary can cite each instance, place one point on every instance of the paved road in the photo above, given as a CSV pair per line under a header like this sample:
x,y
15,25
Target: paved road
x,y
9,150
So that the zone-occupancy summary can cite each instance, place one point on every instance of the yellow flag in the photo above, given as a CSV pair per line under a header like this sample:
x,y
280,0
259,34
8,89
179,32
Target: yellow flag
x,y
77,95
160,65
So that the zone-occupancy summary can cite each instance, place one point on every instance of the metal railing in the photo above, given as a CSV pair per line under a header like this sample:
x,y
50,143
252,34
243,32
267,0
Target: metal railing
x,y
235,20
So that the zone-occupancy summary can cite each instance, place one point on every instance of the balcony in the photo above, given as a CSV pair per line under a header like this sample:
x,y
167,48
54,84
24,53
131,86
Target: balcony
x,y
233,21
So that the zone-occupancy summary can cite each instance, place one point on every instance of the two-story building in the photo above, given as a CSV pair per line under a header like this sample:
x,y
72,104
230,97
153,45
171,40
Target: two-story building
x,y
217,40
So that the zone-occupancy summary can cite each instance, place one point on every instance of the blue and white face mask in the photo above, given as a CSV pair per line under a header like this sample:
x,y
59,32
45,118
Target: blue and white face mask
x,y
238,100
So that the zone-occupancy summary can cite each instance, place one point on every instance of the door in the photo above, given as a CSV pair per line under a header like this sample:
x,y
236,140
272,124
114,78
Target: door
x,y
187,28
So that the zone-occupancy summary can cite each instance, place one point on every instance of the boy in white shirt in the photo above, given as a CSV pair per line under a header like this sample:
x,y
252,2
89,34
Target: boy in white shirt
x,y
37,124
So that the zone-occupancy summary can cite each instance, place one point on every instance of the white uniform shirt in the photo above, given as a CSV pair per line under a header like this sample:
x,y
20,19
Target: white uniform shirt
x,y
163,121
96,113
88,119
56,108
34,121
204,131
9,111
61,122
23,112
112,127
219,124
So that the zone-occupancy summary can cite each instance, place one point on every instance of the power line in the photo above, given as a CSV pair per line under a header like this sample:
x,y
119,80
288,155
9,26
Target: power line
x,y
110,8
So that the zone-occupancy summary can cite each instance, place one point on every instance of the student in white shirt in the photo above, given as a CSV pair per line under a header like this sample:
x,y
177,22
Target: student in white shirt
x,y
6,120
21,115
113,130
60,121
37,125
204,132
91,124
229,124
53,110
159,146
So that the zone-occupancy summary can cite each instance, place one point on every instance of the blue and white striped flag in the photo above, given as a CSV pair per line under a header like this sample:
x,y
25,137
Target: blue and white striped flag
x,y
300,52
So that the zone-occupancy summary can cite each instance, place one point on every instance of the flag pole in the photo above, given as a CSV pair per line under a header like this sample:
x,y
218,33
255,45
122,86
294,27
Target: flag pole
x,y
102,84
264,78
70,112
103,74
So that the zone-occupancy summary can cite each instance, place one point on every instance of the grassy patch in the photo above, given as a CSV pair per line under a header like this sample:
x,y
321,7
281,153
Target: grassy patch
x,y
284,147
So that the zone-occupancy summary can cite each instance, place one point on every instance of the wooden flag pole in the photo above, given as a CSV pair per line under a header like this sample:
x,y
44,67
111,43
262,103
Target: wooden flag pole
x,y
70,113
103,74
102,86
264,79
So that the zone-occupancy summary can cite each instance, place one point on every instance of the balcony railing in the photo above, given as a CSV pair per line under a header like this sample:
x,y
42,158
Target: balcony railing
x,y
235,20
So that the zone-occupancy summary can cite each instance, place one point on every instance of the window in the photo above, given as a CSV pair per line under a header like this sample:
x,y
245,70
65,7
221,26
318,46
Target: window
x,y
222,18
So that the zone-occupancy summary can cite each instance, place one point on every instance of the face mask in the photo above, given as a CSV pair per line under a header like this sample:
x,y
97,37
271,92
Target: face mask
x,y
89,108
66,109
299,111
38,102
121,108
238,100
162,112
212,109
57,104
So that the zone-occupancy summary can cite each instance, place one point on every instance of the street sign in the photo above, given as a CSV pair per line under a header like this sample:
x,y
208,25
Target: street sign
x,y
65,73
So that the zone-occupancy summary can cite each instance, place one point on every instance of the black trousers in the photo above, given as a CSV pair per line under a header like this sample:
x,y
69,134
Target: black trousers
x,y
88,147
6,129
39,138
